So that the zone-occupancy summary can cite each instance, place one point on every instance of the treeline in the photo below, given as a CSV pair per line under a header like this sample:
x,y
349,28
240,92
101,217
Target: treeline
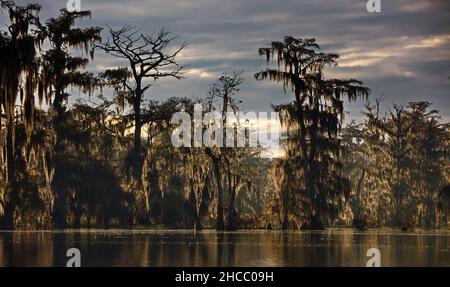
x,y
106,159
398,164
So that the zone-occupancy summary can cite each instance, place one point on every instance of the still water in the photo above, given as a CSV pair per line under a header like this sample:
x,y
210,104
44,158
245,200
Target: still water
x,y
179,248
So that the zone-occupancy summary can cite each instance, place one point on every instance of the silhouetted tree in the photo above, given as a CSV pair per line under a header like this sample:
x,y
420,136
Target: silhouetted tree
x,y
60,70
314,119
149,59
18,77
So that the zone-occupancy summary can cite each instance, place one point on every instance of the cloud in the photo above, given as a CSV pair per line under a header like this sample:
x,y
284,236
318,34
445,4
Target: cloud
x,y
403,52
200,73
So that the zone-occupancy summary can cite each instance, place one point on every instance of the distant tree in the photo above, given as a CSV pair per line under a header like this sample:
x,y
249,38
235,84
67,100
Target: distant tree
x,y
396,128
355,167
223,90
443,205
314,119
415,140
156,118
367,164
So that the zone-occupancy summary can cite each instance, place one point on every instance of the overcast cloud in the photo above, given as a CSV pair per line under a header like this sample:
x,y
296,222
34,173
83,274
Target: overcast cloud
x,y
402,53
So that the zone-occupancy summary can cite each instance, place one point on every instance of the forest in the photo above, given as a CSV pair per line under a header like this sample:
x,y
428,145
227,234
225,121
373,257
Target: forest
x,y
106,159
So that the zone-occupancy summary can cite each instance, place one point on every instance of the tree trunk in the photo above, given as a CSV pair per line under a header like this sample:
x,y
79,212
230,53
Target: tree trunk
x,y
59,210
216,168
77,216
315,223
10,151
137,149
285,223
219,220
232,215
7,221
194,206
306,159
107,214
359,222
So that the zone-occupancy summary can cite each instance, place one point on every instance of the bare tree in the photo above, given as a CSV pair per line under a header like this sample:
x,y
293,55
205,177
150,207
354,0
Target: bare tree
x,y
149,59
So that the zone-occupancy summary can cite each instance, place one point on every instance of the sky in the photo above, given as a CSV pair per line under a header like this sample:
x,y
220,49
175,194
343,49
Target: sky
x,y
402,54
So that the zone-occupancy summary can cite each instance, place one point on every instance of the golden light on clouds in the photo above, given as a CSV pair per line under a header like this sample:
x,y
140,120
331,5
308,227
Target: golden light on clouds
x,y
200,73
431,42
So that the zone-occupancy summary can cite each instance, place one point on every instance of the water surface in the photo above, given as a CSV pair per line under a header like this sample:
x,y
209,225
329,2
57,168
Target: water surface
x,y
179,248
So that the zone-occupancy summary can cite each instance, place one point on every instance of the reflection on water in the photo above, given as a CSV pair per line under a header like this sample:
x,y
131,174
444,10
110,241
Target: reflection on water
x,y
337,247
